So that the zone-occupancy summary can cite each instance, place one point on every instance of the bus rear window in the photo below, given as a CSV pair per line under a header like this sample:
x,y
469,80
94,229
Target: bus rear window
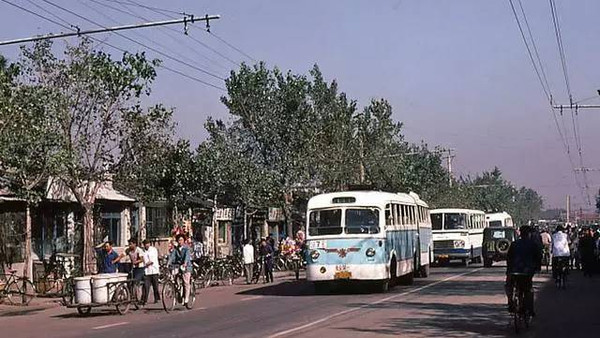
x,y
325,222
362,221
436,221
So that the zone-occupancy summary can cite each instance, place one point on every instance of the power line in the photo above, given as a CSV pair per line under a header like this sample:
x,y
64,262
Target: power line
x,y
148,7
535,49
110,45
36,14
574,113
535,67
159,44
135,3
545,86
127,11
137,42
232,46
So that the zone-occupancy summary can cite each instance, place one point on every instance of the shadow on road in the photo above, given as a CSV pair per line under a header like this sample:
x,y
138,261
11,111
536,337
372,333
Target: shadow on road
x,y
303,288
93,313
23,311
444,320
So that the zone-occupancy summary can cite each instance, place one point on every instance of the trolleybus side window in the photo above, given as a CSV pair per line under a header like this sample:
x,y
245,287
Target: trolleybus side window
x,y
436,221
389,220
362,221
325,222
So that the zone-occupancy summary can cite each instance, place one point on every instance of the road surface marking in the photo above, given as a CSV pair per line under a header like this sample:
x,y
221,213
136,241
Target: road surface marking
x,y
109,325
341,313
250,298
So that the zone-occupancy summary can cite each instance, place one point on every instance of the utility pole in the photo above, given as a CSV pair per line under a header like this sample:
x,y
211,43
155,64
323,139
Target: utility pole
x,y
185,21
568,209
449,157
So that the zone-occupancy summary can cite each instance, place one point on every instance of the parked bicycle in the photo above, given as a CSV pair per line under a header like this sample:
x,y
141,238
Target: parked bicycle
x,y
58,271
17,290
173,293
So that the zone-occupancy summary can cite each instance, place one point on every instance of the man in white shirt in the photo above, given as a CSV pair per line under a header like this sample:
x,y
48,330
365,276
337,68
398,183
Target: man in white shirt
x,y
560,249
248,252
152,270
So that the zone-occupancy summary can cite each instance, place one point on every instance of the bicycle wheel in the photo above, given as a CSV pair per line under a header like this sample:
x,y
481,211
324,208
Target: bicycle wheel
x,y
190,304
122,299
516,300
209,276
169,296
21,291
227,276
256,272
67,292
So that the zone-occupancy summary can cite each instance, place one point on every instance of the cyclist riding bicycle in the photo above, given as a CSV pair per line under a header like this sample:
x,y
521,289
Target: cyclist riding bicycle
x,y
524,259
180,258
560,249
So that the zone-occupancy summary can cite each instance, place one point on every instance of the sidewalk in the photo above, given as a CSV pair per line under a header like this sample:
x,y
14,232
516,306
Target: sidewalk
x,y
568,313
40,304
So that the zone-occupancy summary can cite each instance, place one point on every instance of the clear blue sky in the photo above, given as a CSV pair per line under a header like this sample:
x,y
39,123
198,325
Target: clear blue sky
x,y
456,71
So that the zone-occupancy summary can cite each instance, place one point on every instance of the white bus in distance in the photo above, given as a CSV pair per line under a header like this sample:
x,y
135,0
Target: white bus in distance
x,y
458,234
371,236
499,219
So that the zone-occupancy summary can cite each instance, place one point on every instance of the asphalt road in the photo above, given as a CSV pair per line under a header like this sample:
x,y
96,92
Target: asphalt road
x,y
453,302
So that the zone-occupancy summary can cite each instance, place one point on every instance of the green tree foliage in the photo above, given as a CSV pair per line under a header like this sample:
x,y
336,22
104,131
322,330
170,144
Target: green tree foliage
x,y
28,142
101,123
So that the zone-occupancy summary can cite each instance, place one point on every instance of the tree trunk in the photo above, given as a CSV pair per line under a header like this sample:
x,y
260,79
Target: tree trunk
x,y
287,210
88,255
28,267
215,224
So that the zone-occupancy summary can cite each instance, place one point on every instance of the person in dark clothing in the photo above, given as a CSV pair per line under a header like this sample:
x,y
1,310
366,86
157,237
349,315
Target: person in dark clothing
x,y
523,259
586,252
266,251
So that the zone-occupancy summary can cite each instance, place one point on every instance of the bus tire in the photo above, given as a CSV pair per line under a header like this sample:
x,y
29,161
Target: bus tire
x,y
424,271
393,281
384,286
321,288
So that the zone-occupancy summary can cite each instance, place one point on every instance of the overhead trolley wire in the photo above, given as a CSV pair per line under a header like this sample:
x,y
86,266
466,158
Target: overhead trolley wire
x,y
542,78
230,45
110,45
159,44
574,113
137,42
127,11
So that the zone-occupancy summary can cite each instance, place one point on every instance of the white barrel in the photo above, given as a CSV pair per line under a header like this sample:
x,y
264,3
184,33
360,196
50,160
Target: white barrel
x,y
99,288
83,290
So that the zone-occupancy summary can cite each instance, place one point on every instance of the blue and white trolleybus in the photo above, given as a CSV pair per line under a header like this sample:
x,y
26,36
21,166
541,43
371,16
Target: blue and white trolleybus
x,y
367,236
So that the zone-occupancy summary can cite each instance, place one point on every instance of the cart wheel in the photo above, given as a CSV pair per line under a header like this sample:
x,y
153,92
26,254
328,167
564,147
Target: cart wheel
x,y
169,296
84,310
122,299
192,299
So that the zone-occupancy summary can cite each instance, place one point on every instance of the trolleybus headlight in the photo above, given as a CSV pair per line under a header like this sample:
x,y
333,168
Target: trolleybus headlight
x,y
314,255
370,252
459,244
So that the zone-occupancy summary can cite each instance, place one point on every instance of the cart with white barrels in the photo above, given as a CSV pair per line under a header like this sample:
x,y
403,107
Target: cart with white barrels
x,y
103,290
